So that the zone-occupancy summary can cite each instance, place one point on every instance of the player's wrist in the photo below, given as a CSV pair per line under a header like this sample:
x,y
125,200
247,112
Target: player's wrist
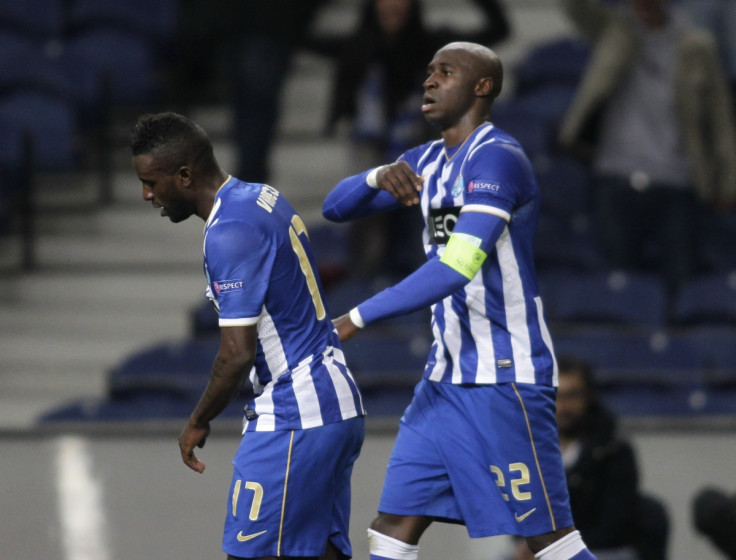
x,y
356,318
372,178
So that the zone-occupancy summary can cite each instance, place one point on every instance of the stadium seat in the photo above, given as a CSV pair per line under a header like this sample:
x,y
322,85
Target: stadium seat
x,y
616,298
52,124
529,129
387,357
559,61
707,299
181,368
717,248
40,20
151,18
623,356
124,62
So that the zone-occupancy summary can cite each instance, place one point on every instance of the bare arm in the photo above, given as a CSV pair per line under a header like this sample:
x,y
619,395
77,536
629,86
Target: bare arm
x,y
232,363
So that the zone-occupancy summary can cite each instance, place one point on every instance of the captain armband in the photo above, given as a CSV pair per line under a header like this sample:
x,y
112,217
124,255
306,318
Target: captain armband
x,y
463,254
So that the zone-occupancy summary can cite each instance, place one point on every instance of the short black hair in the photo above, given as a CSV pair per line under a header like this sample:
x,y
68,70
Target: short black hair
x,y
173,138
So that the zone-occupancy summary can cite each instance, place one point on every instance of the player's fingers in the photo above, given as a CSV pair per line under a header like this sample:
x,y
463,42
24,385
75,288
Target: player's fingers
x,y
191,461
401,186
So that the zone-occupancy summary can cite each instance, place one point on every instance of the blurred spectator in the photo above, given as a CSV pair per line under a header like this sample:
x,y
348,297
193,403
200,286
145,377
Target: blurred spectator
x,y
714,516
615,519
377,92
718,17
248,46
654,113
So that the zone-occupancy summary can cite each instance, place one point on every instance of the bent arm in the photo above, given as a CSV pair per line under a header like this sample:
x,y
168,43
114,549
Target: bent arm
x,y
354,198
233,362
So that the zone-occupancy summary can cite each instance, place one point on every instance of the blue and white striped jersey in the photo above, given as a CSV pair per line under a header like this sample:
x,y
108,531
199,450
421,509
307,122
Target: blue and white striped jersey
x,y
493,330
261,271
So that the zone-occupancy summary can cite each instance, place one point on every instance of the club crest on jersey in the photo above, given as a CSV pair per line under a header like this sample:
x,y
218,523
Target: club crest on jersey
x,y
227,286
458,187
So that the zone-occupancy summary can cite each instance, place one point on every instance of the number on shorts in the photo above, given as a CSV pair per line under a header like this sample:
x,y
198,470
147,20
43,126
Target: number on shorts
x,y
297,228
255,506
522,478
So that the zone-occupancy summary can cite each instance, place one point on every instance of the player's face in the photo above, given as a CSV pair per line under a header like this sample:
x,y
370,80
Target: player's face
x,y
572,401
449,87
163,190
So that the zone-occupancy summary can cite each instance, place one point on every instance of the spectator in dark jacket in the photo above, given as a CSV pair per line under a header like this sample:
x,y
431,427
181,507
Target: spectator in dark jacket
x,y
614,518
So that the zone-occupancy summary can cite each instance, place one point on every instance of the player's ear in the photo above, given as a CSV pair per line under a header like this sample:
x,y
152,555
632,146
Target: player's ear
x,y
484,87
184,176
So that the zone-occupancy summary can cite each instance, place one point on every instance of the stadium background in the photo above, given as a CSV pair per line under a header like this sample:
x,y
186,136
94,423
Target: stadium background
x,y
110,279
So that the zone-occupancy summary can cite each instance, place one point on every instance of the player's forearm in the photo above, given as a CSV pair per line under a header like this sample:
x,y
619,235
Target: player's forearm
x,y
353,198
226,378
429,284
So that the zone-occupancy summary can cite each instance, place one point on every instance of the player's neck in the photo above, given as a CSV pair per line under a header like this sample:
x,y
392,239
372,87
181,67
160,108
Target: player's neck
x,y
456,135
209,192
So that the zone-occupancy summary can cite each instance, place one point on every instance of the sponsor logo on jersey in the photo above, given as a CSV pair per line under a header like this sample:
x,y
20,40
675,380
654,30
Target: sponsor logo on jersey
x,y
441,223
483,186
227,286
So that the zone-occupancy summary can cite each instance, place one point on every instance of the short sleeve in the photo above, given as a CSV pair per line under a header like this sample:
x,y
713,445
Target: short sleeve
x,y
497,176
239,260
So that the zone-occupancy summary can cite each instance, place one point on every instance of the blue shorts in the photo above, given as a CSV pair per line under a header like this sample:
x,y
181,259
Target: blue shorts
x,y
290,491
486,456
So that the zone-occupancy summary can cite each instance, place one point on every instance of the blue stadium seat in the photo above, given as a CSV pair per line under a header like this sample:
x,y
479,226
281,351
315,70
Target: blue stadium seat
x,y
52,123
387,357
717,248
124,62
181,368
554,61
707,299
530,130
615,298
146,18
41,20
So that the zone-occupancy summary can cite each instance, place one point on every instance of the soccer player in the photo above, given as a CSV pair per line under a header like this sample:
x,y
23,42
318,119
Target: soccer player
x,y
478,444
305,427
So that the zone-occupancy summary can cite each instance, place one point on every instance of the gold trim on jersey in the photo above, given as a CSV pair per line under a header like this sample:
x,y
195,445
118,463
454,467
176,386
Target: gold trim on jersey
x,y
283,499
536,459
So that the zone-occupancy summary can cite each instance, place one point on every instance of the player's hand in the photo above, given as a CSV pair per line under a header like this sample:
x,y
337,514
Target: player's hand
x,y
193,436
346,329
401,181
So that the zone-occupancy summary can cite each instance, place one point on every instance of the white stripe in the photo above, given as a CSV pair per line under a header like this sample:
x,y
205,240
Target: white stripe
x,y
440,361
547,338
264,409
513,294
306,394
480,326
486,210
243,322
453,338
343,390
82,516
273,349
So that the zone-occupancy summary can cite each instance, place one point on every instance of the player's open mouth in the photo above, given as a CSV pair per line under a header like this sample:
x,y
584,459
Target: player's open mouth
x,y
428,102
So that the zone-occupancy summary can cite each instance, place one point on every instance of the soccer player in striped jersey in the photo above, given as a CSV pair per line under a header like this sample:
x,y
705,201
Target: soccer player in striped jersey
x,y
478,444
290,491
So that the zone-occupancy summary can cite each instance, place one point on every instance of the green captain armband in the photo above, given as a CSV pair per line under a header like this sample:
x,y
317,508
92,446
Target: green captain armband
x,y
463,254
